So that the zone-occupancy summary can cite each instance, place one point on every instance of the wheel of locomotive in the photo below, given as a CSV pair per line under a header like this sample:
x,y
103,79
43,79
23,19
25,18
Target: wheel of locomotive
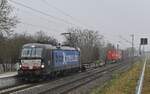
x,y
61,73
83,68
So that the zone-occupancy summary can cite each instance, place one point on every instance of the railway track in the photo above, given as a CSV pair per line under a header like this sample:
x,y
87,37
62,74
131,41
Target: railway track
x,y
62,85
99,82
55,87
15,88
22,86
67,87
19,87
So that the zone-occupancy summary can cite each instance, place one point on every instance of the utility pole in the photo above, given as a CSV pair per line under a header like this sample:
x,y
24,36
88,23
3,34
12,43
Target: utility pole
x,y
140,49
117,47
132,44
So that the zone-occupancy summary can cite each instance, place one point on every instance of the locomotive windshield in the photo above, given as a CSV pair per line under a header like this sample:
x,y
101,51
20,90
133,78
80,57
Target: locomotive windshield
x,y
31,52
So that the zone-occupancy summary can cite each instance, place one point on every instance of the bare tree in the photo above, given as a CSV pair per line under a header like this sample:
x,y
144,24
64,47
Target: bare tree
x,y
41,37
10,47
88,41
7,23
7,20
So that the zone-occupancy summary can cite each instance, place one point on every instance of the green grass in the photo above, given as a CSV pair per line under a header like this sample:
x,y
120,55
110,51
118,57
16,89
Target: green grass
x,y
146,84
123,83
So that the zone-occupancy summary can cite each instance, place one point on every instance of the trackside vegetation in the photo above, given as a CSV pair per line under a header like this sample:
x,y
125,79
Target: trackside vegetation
x,y
146,84
122,83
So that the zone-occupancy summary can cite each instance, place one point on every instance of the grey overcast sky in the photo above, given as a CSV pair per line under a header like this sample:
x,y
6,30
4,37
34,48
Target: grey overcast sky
x,y
115,19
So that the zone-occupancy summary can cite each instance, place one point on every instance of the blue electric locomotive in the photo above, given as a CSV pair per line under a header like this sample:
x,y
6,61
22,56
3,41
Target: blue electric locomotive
x,y
41,60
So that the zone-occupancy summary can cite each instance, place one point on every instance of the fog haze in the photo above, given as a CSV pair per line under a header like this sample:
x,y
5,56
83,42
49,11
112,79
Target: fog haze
x,y
112,18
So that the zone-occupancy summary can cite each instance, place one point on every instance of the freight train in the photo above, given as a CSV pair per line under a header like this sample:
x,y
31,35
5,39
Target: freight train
x,y
41,60
113,55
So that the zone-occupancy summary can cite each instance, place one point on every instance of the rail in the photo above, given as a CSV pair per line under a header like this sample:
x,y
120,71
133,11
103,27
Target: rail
x,y
140,82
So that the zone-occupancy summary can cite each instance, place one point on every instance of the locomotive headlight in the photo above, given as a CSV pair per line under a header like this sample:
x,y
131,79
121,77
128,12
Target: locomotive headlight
x,y
20,66
42,66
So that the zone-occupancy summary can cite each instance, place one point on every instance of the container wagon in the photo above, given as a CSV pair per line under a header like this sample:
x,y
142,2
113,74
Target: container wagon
x,y
113,56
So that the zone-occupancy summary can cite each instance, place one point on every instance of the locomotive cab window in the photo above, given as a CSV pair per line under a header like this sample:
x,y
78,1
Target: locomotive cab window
x,y
32,52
